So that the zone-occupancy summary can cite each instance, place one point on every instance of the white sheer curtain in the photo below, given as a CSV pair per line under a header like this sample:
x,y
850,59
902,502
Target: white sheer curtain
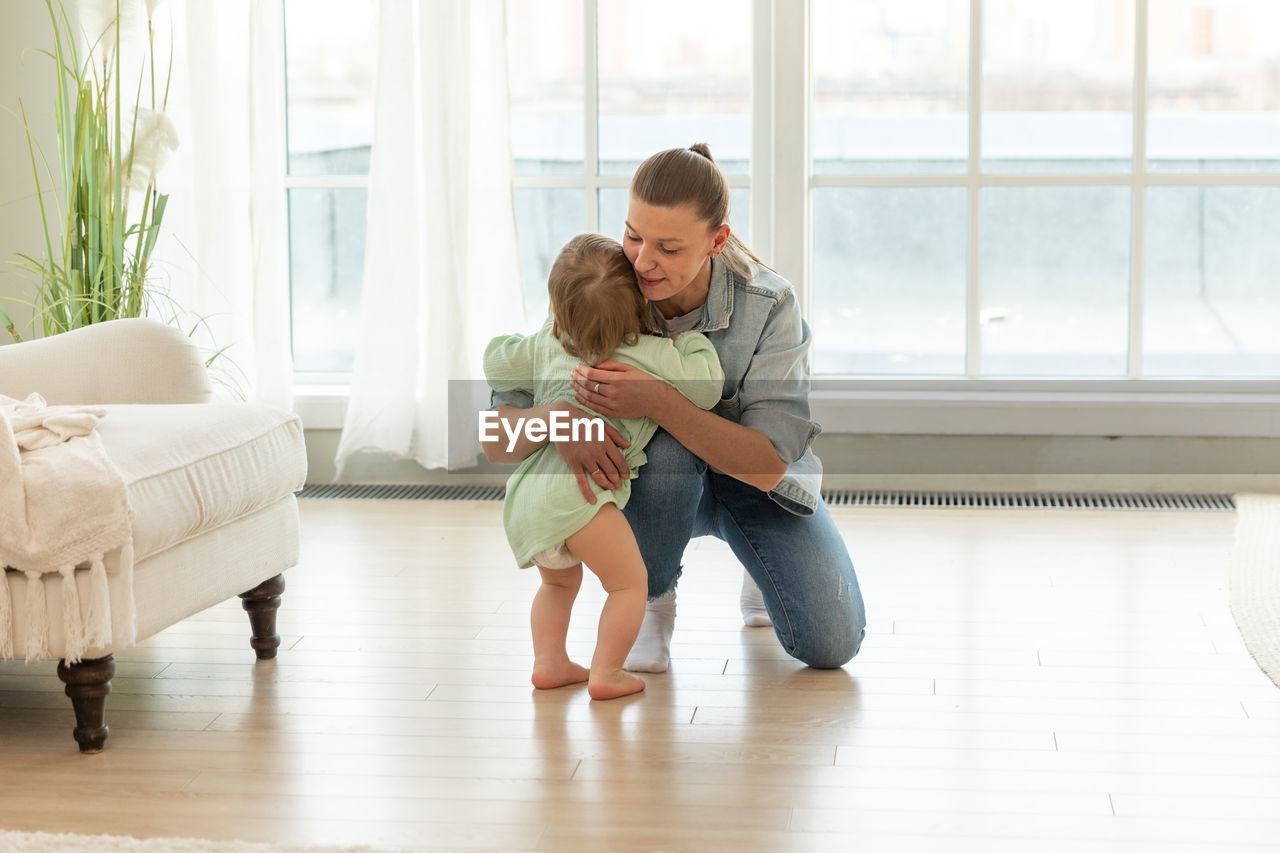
x,y
224,247
441,273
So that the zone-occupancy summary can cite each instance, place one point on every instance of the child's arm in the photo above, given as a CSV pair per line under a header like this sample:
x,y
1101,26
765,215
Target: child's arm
x,y
509,363
691,366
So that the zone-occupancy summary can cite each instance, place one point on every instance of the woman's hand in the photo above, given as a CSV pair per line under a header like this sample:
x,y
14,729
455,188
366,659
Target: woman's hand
x,y
619,390
597,460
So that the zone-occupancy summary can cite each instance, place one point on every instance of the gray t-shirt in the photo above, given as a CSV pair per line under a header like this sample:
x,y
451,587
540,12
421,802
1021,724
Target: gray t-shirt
x,y
676,325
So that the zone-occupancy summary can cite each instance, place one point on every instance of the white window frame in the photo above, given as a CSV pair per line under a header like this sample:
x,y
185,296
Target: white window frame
x,y
971,405
590,182
321,395
781,186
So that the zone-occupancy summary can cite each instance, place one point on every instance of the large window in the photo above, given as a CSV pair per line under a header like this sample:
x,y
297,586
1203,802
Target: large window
x,y
1045,190
960,190
329,63
598,86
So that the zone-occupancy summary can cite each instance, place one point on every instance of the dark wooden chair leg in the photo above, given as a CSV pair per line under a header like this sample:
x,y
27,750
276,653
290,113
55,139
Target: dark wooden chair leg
x,y
261,603
88,684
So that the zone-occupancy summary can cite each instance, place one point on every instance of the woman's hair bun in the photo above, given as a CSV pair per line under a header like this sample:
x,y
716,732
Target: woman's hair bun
x,y
702,148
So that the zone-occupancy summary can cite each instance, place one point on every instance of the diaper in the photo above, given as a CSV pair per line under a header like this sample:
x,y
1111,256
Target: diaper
x,y
558,556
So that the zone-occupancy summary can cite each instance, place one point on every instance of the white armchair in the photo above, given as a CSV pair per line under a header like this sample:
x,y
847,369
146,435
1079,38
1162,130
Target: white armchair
x,y
211,485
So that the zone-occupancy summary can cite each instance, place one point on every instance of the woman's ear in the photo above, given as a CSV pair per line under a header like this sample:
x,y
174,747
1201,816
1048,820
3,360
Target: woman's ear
x,y
722,237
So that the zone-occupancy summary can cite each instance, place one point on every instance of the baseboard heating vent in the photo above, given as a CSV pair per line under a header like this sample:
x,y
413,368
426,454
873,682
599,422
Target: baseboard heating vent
x,y
360,491
833,497
1031,500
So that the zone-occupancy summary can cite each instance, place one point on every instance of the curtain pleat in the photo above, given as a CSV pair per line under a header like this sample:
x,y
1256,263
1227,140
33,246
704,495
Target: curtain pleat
x,y
441,271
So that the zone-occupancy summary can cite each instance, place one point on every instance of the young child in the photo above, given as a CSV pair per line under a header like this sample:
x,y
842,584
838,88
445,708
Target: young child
x,y
597,314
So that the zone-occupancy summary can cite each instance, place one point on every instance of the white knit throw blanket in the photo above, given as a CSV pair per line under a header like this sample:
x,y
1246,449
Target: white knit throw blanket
x,y
62,505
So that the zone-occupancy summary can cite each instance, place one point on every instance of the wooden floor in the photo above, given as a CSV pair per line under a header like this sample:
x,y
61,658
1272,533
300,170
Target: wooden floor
x,y
1030,680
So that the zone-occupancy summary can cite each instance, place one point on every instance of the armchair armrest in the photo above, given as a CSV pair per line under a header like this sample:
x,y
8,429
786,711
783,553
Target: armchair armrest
x,y
120,361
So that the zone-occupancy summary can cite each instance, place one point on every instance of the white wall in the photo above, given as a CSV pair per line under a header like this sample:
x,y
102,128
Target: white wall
x,y
26,75
944,462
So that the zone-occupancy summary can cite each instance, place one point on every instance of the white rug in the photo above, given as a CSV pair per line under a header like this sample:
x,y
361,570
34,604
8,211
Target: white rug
x,y
1255,579
42,842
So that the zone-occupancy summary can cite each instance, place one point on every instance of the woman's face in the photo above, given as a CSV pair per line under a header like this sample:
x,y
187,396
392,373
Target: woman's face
x,y
671,250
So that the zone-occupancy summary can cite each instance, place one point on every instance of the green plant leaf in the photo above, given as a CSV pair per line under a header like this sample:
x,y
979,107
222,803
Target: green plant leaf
x,y
7,322
98,252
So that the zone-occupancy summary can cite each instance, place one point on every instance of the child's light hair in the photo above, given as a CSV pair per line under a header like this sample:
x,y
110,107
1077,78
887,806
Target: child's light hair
x,y
596,305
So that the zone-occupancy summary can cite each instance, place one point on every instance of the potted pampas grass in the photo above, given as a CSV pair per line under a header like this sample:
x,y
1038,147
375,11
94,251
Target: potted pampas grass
x,y
99,204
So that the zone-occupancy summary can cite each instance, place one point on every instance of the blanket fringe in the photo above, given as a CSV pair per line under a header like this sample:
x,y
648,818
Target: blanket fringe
x,y
37,618
6,617
85,627
72,621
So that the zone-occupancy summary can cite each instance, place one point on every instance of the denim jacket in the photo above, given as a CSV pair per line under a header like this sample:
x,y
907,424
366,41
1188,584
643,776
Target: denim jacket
x,y
763,344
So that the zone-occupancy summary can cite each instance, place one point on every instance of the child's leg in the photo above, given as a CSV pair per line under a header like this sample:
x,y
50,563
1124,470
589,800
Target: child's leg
x,y
549,621
609,549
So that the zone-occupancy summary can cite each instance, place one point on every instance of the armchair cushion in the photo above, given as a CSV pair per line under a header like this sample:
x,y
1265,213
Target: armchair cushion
x,y
191,469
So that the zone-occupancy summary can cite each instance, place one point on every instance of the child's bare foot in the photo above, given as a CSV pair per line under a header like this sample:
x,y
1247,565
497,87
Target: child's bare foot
x,y
613,684
549,675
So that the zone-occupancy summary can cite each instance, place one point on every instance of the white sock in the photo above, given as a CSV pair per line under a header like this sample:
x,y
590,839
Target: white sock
x,y
652,651
751,602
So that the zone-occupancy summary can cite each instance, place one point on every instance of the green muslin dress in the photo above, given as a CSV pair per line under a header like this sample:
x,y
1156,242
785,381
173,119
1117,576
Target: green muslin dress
x,y
544,504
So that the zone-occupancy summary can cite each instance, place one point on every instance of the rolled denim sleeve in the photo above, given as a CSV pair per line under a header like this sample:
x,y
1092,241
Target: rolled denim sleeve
x,y
774,397
519,398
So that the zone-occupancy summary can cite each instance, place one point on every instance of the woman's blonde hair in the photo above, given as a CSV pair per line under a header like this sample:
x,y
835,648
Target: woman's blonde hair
x,y
596,305
680,176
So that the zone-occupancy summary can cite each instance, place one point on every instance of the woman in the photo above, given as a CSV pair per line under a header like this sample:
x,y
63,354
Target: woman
x,y
744,471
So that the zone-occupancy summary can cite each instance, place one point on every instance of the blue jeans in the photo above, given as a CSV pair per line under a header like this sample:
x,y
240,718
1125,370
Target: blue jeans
x,y
800,563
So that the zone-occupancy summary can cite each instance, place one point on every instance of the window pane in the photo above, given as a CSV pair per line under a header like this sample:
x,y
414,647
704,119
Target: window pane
x,y
613,212
331,48
890,86
1213,87
889,280
672,73
544,68
326,260
1210,296
546,219
1055,281
1057,86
